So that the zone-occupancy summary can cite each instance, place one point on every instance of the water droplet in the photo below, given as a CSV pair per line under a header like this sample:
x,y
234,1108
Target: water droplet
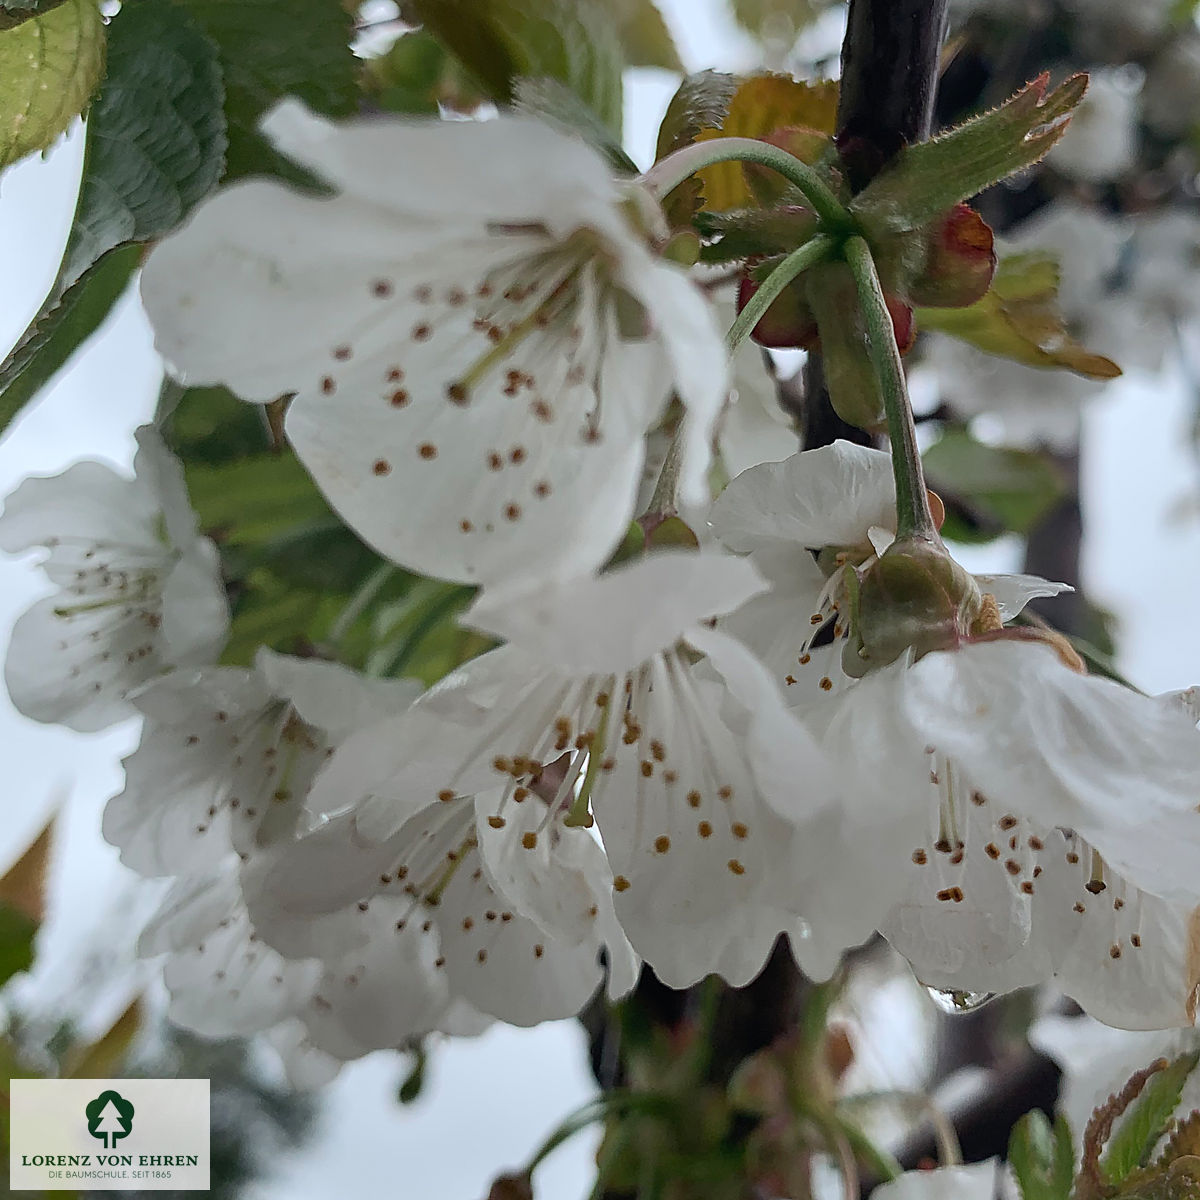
x,y
801,930
957,1002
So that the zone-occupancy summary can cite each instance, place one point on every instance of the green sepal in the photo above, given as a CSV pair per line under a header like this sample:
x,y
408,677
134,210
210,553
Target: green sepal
x,y
915,597
854,388
927,178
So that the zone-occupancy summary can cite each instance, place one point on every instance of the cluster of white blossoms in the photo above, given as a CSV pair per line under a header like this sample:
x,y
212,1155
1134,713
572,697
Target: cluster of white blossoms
x,y
673,760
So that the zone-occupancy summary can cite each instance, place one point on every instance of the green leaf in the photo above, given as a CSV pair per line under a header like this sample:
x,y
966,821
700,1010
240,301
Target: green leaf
x,y
1042,1158
1018,318
1011,488
275,48
761,105
14,12
48,344
252,500
1141,1127
155,135
17,932
700,102
644,35
927,178
49,68
211,425
501,41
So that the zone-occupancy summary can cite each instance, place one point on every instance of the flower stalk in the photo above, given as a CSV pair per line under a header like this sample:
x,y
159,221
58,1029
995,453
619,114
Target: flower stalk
x,y
665,176
913,516
816,250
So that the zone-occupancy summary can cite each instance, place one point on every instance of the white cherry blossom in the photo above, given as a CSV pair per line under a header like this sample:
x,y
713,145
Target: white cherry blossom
x,y
1051,814
596,704
227,756
441,929
476,329
836,504
139,592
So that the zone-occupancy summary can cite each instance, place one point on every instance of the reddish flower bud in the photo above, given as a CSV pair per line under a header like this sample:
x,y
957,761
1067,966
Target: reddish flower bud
x,y
788,324
960,260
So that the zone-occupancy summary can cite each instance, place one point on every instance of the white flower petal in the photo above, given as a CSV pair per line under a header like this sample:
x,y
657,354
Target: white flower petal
x,y
1120,769
978,1181
1013,592
474,172
332,697
612,623
825,497
463,393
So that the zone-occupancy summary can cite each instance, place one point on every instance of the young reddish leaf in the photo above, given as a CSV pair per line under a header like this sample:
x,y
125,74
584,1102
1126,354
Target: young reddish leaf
x,y
761,105
930,177
1019,319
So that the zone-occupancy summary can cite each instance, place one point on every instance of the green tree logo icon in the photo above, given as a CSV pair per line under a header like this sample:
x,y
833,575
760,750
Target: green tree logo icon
x,y
109,1118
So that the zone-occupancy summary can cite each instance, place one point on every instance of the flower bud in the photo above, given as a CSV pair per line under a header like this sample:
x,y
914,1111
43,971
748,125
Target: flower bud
x,y
915,597
960,260
788,324
512,1187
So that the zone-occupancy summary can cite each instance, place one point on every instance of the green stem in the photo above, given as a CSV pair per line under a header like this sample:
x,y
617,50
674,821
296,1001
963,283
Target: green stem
x,y
359,602
815,250
651,1103
670,172
880,1162
664,501
913,518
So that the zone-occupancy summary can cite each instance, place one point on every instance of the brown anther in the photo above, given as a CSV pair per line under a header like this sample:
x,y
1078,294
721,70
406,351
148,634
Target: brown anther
x,y
736,867
920,857
693,798
662,844
620,884
427,450
529,840
497,822
739,831
381,466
